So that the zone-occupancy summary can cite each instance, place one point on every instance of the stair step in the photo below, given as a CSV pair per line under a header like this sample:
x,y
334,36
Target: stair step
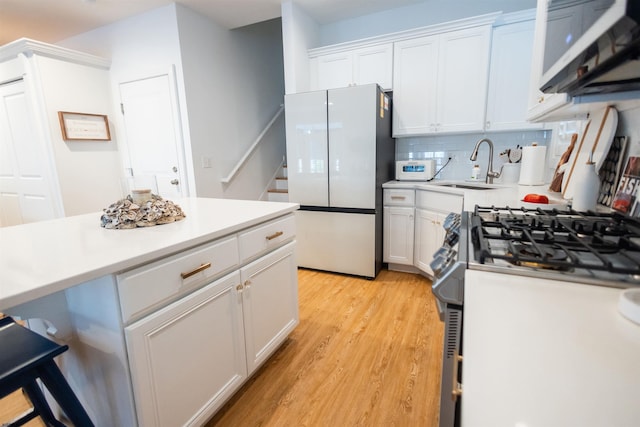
x,y
282,183
276,195
279,190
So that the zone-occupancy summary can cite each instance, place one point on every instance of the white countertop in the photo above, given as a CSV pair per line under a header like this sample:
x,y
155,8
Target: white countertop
x,y
544,353
41,258
498,195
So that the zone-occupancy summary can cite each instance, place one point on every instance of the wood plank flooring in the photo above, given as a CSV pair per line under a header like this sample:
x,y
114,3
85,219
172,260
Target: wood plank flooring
x,y
366,353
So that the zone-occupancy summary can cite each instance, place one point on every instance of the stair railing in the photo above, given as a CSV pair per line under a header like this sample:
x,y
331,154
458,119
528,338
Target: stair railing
x,y
251,149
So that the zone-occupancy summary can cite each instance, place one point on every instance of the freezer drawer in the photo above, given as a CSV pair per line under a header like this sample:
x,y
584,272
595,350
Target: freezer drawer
x,y
336,241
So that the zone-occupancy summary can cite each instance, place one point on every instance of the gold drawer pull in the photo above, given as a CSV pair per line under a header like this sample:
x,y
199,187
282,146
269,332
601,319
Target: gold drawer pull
x,y
457,389
195,271
398,197
274,235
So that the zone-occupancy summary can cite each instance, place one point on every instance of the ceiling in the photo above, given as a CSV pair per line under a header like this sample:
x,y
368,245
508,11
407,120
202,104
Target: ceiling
x,y
53,20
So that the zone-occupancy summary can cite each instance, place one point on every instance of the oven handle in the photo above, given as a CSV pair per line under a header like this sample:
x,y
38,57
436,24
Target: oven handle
x,y
456,389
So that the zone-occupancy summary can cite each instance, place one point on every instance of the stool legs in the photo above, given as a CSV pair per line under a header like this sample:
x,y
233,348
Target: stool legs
x,y
57,385
40,404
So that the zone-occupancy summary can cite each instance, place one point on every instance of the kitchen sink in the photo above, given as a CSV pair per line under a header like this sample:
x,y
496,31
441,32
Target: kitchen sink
x,y
467,185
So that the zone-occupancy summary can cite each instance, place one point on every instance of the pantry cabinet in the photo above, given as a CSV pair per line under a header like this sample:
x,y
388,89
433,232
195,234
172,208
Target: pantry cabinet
x,y
353,66
429,237
508,96
440,82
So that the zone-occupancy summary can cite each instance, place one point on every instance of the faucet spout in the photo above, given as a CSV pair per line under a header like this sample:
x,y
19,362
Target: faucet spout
x,y
474,155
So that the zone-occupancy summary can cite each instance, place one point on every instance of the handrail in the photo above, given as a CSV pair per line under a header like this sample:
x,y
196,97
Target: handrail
x,y
246,156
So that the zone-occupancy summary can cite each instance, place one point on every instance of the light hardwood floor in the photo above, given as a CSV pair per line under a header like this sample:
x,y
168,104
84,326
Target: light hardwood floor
x,y
366,353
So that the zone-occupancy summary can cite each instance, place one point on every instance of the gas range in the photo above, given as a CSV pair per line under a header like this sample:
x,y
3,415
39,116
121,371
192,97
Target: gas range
x,y
586,247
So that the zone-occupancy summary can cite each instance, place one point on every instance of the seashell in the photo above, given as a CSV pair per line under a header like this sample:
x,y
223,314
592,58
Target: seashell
x,y
124,214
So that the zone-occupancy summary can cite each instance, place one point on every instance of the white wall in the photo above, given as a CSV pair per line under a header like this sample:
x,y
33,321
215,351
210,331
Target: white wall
x,y
230,82
299,34
87,170
234,85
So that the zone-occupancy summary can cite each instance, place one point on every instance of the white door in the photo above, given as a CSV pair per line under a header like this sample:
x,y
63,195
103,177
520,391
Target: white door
x,y
429,235
398,235
153,138
28,191
306,133
352,147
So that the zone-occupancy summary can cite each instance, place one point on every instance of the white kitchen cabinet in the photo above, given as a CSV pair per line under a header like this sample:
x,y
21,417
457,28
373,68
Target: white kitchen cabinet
x,y
194,339
398,226
398,234
509,81
356,66
429,237
548,106
440,82
270,303
189,357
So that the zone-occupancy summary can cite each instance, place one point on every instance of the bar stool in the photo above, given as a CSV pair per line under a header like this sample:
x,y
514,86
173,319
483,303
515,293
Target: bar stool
x,y
27,356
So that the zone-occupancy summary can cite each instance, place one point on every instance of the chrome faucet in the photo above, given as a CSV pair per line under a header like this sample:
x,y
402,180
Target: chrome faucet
x,y
490,172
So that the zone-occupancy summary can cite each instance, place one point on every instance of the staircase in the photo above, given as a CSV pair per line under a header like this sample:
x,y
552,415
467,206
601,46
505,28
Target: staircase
x,y
281,191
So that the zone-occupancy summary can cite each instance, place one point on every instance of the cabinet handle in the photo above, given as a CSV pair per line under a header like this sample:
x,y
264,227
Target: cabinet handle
x,y
398,197
488,124
239,287
457,388
541,100
274,235
195,271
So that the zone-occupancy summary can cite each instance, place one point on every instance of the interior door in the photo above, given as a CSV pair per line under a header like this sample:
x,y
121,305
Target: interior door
x,y
28,191
352,147
307,158
152,133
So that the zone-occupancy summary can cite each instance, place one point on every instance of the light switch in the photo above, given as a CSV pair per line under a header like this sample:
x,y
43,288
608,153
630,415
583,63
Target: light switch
x,y
206,162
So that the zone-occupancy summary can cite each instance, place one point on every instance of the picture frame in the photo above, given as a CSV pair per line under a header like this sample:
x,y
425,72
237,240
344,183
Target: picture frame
x,y
84,126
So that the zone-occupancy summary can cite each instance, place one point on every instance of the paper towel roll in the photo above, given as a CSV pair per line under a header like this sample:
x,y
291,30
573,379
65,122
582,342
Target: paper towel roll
x,y
533,161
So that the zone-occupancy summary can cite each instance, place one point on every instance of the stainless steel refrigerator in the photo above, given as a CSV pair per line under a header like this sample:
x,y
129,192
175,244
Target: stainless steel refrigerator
x,y
339,153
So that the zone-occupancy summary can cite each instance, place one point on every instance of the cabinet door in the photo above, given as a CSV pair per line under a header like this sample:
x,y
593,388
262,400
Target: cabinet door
x,y
270,303
374,65
415,67
463,71
508,96
335,70
429,236
542,104
187,359
398,235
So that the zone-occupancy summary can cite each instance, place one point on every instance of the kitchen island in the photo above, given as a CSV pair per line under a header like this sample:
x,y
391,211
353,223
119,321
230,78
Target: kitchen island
x,y
198,304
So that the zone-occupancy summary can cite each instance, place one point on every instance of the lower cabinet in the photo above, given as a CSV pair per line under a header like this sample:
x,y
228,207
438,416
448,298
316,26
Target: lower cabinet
x,y
428,238
398,235
269,303
189,357
413,226
199,323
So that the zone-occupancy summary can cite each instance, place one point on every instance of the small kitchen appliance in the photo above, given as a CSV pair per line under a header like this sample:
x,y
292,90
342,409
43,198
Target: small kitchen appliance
x,y
560,245
415,170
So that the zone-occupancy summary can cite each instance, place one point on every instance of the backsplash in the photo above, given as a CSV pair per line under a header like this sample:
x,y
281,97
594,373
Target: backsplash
x,y
459,148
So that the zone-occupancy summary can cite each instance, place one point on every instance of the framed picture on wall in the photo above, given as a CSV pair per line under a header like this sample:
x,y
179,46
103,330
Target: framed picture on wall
x,y
84,126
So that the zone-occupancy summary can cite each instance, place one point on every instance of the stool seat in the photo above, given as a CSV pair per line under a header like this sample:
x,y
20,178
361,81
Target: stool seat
x,y
27,356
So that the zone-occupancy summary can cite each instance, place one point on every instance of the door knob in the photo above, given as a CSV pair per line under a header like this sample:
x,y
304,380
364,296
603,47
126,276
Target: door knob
x,y
175,169
175,182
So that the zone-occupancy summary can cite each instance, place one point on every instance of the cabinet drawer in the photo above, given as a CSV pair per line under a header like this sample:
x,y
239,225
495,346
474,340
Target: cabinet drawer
x,y
399,197
263,238
163,281
439,202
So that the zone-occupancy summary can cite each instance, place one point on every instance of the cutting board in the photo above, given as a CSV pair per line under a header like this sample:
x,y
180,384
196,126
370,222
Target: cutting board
x,y
596,139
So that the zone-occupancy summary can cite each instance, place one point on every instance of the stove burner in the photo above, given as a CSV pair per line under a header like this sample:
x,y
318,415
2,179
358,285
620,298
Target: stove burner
x,y
566,241
537,256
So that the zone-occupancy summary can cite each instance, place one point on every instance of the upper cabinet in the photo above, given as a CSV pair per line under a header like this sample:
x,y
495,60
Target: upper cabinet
x,y
356,66
508,96
440,82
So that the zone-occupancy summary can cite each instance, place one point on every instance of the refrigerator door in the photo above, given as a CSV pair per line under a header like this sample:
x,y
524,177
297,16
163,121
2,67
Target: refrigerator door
x,y
337,241
352,146
306,133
